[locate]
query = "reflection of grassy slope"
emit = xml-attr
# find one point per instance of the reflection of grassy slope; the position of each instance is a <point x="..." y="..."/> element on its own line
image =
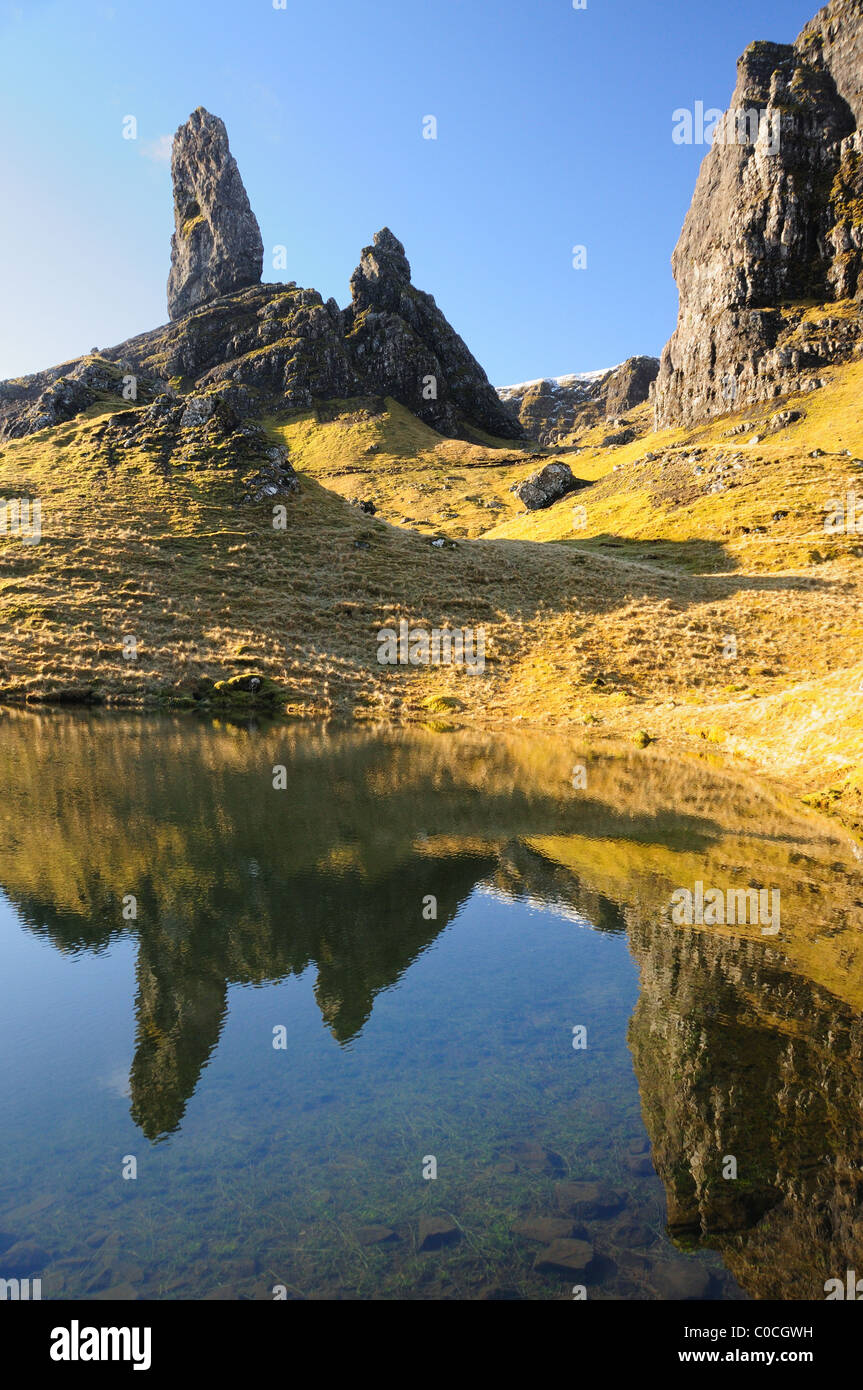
<point x="822" y="917"/>
<point x="620" y="625"/>
<point x="96" y="808"/>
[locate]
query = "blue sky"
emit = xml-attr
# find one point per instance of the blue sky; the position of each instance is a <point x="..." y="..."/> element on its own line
<point x="554" y="130"/>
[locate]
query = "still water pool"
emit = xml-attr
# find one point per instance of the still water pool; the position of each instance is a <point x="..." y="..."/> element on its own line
<point x="420" y="1024"/>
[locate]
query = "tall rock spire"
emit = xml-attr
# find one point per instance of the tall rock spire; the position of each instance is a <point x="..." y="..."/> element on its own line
<point x="216" y="247"/>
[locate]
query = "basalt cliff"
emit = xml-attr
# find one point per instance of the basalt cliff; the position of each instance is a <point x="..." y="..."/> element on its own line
<point x="769" y="261"/>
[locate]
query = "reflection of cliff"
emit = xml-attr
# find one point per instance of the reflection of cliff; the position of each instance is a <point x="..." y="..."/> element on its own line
<point x="362" y="938"/>
<point x="238" y="883"/>
<point x="735" y="1057"/>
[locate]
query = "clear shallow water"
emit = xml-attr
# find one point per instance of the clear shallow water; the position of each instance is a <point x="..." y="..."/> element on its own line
<point x="407" y="1038"/>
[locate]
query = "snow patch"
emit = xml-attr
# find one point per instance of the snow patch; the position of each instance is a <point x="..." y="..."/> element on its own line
<point x="558" y="384"/>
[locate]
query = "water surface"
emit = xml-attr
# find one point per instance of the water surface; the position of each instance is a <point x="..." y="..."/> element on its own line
<point x="168" y="914"/>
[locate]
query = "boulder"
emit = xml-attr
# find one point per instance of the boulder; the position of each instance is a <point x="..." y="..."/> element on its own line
<point x="547" y="1229"/>
<point x="543" y="489"/>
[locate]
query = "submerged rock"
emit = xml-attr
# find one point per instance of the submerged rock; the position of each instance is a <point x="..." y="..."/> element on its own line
<point x="589" y="1200"/>
<point x="436" y="1232"/>
<point x="681" y="1279"/>
<point x="376" y="1235"/>
<point x="565" y="1257"/>
<point x="536" y="1158"/>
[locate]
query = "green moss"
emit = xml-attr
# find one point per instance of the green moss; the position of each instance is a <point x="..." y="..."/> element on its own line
<point x="846" y="193"/>
<point x="248" y="691"/>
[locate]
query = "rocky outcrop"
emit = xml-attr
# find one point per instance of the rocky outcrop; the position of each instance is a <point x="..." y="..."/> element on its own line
<point x="628" y="385"/>
<point x="403" y="346"/>
<point x="775" y="227"/>
<point x="48" y="398"/>
<point x="274" y="346"/>
<point x="216" y="248"/>
<point x="555" y="409"/>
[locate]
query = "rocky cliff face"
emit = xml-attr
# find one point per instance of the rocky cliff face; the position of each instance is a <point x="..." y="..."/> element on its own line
<point x="555" y="408"/>
<point x="775" y="228"/>
<point x="216" y="247"/>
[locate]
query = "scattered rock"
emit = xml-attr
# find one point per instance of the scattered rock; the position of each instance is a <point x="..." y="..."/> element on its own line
<point x="437" y="1231"/>
<point x="376" y="1235"/>
<point x="784" y="418"/>
<point x="592" y="1201"/>
<point x="565" y="1257"/>
<point x="547" y="1229"/>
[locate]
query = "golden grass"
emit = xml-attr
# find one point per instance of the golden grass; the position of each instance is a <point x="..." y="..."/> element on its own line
<point x="619" y="626"/>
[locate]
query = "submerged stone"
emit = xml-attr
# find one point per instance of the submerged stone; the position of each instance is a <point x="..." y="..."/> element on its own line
<point x="437" y="1231"/>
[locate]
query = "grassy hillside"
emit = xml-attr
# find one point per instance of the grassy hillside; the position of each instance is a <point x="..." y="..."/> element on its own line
<point x="618" y="622"/>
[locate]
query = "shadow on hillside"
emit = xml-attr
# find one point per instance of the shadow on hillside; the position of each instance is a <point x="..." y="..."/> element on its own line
<point x="691" y="556"/>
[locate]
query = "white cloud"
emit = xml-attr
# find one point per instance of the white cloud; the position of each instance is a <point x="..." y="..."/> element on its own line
<point x="159" y="150"/>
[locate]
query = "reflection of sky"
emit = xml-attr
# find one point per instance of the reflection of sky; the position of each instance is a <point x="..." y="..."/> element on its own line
<point x="64" y="1020"/>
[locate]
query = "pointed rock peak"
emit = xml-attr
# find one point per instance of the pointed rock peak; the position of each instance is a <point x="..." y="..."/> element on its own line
<point x="383" y="271"/>
<point x="216" y="247"/>
<point x="390" y="248"/>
